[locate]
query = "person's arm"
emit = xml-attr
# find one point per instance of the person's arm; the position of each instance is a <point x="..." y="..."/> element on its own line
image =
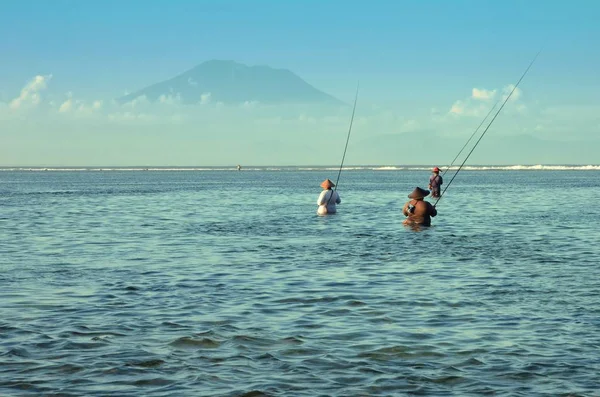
<point x="321" y="200"/>
<point x="338" y="200"/>
<point x="405" y="209"/>
<point x="432" y="211"/>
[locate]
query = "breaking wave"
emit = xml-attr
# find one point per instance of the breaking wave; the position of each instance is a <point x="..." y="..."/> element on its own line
<point x="517" y="167"/>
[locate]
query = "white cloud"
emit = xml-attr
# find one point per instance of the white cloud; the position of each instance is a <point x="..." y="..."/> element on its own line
<point x="483" y="94"/>
<point x="515" y="95"/>
<point x="169" y="109"/>
<point x="30" y="93"/>
<point x="205" y="98"/>
<point x="469" y="108"/>
<point x="129" y="117"/>
<point x="247" y="125"/>
<point x="479" y="103"/>
<point x="458" y="108"/>
<point x="137" y="102"/>
<point x="83" y="109"/>
<point x="66" y="106"/>
<point x="170" y="99"/>
<point x="250" y="104"/>
<point x="78" y="107"/>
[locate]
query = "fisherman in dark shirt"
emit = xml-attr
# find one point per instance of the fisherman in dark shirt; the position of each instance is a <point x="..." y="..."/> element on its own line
<point x="435" y="182"/>
<point x="417" y="210"/>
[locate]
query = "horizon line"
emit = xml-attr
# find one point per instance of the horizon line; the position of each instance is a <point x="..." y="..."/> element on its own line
<point x="234" y="166"/>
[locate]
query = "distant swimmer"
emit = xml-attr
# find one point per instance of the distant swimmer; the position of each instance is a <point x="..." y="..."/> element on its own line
<point x="239" y="167"/>
<point x="417" y="210"/>
<point x="435" y="182"/>
<point x="328" y="199"/>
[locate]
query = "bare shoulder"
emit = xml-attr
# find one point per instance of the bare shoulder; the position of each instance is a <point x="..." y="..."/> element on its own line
<point x="422" y="204"/>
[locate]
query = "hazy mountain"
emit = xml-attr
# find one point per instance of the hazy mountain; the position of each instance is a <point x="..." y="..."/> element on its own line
<point x="235" y="83"/>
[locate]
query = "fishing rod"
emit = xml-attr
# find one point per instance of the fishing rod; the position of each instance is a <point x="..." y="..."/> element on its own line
<point x="347" y="140"/>
<point x="488" y="126"/>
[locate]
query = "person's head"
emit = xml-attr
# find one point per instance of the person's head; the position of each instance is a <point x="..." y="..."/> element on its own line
<point x="435" y="170"/>
<point x="418" y="194"/>
<point x="327" y="184"/>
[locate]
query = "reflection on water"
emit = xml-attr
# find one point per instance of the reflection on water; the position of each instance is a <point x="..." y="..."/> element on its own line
<point x="228" y="284"/>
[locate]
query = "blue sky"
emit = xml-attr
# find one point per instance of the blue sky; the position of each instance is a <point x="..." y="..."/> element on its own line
<point x="414" y="59"/>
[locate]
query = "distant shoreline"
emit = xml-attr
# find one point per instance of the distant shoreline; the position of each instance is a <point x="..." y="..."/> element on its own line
<point x="516" y="167"/>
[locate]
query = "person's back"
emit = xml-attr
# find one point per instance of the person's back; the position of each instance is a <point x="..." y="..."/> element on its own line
<point x="327" y="203"/>
<point x="419" y="212"/>
<point x="328" y="199"/>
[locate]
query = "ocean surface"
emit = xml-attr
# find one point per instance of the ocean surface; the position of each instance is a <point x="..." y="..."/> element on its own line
<point x="213" y="282"/>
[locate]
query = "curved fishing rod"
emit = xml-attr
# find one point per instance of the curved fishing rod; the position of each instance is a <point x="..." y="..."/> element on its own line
<point x="487" y="128"/>
<point x="471" y="137"/>
<point x="347" y="140"/>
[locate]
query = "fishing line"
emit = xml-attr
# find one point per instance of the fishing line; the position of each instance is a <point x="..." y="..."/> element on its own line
<point x="347" y="140"/>
<point x="488" y="126"/>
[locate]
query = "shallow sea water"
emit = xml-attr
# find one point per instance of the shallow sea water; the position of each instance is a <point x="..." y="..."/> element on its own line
<point x="225" y="283"/>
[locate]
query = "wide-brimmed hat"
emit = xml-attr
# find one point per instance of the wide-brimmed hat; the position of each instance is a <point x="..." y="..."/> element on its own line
<point x="436" y="169"/>
<point x="326" y="184"/>
<point x="418" y="193"/>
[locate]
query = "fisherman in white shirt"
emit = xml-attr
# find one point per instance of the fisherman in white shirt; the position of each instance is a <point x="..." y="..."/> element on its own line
<point x="328" y="199"/>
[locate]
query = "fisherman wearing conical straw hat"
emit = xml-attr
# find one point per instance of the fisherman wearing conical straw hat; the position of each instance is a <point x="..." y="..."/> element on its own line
<point x="328" y="199"/>
<point x="417" y="210"/>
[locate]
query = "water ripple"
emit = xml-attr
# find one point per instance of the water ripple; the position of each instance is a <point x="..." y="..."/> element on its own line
<point x="156" y="284"/>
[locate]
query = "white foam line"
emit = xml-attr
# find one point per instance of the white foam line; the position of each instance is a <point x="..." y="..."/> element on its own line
<point x="538" y="167"/>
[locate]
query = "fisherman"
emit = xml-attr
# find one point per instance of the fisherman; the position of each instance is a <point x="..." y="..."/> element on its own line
<point x="435" y="182"/>
<point x="417" y="210"/>
<point x="328" y="199"/>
